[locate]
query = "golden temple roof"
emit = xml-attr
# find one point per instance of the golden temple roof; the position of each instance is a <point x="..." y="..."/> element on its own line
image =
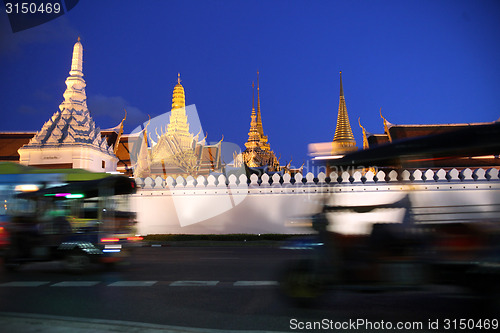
<point x="178" y="97"/>
<point x="258" y="151"/>
<point x="253" y="135"/>
<point x="343" y="132"/>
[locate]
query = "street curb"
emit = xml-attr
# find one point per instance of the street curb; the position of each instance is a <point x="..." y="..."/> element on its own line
<point x="31" y="323"/>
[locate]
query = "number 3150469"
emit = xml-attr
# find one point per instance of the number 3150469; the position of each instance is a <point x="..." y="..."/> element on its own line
<point x="32" y="8"/>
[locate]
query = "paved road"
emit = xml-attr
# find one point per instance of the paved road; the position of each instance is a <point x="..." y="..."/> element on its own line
<point x="229" y="288"/>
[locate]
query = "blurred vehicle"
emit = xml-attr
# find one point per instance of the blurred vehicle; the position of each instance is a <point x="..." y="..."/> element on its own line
<point x="393" y="256"/>
<point x="15" y="178"/>
<point x="4" y="237"/>
<point x="80" y="223"/>
<point x="405" y="254"/>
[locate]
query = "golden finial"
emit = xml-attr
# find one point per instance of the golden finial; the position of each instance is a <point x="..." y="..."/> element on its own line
<point x="253" y="96"/>
<point x="386" y="127"/>
<point x="341" y="86"/>
<point x="120" y="133"/>
<point x="365" y="139"/>
<point x="78" y="38"/>
<point x="179" y="78"/>
<point x="258" y="97"/>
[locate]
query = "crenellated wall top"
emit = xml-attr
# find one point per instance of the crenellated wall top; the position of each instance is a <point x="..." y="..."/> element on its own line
<point x="321" y="179"/>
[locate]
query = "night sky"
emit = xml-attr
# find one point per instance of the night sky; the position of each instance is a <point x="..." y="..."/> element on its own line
<point x="422" y="62"/>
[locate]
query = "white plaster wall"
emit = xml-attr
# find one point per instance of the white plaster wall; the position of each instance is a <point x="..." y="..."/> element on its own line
<point x="225" y="209"/>
<point x="45" y="156"/>
<point x="82" y="157"/>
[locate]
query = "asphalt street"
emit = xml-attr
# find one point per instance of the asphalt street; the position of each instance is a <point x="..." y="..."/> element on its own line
<point x="218" y="288"/>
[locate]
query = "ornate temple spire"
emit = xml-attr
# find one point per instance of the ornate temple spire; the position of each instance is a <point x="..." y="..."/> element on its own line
<point x="341" y="94"/>
<point x="259" y="118"/>
<point x="343" y="137"/>
<point x="142" y="167"/>
<point x="263" y="138"/>
<point x="253" y="97"/>
<point x="177" y="150"/>
<point x="74" y="96"/>
<point x="178" y="97"/>
<point x="258" y="151"/>
<point x="253" y="135"/>
<point x="72" y="125"/>
<point x="77" y="61"/>
<point x="178" y="126"/>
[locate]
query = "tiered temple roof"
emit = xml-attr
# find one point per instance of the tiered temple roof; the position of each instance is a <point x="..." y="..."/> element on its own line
<point x="72" y="124"/>
<point x="343" y="140"/>
<point x="404" y="135"/>
<point x="177" y="152"/>
<point x="258" y="153"/>
<point x="394" y="132"/>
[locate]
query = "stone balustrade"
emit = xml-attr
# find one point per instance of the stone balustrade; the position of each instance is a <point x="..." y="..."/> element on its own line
<point x="340" y="178"/>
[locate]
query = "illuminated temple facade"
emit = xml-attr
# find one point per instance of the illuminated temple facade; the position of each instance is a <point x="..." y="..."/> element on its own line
<point x="258" y="153"/>
<point x="70" y="138"/>
<point x="176" y="151"/>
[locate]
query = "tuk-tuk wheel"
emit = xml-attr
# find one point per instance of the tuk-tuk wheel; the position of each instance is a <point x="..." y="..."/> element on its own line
<point x="77" y="261"/>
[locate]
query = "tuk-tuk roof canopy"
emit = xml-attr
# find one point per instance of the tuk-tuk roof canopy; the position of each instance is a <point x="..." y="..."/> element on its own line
<point x="111" y="185"/>
<point x="69" y="175"/>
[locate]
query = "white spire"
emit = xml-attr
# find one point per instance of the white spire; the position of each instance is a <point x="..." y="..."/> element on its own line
<point x="77" y="61"/>
<point x="72" y="124"/>
<point x="74" y="96"/>
<point x="72" y="128"/>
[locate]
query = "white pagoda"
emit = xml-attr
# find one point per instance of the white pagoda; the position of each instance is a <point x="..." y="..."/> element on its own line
<point x="70" y="138"/>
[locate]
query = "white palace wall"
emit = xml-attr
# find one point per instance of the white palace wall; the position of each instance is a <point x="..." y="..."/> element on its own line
<point x="279" y="205"/>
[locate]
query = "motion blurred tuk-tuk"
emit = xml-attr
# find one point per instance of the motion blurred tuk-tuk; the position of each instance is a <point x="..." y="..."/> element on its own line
<point x="408" y="254"/>
<point x="79" y="223"/>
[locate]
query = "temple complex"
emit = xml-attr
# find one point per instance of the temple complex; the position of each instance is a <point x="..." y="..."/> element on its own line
<point x="258" y="153"/>
<point x="176" y="151"/>
<point x="70" y="138"/>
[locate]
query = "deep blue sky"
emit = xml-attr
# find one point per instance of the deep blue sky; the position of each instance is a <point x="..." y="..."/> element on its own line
<point x="421" y="61"/>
